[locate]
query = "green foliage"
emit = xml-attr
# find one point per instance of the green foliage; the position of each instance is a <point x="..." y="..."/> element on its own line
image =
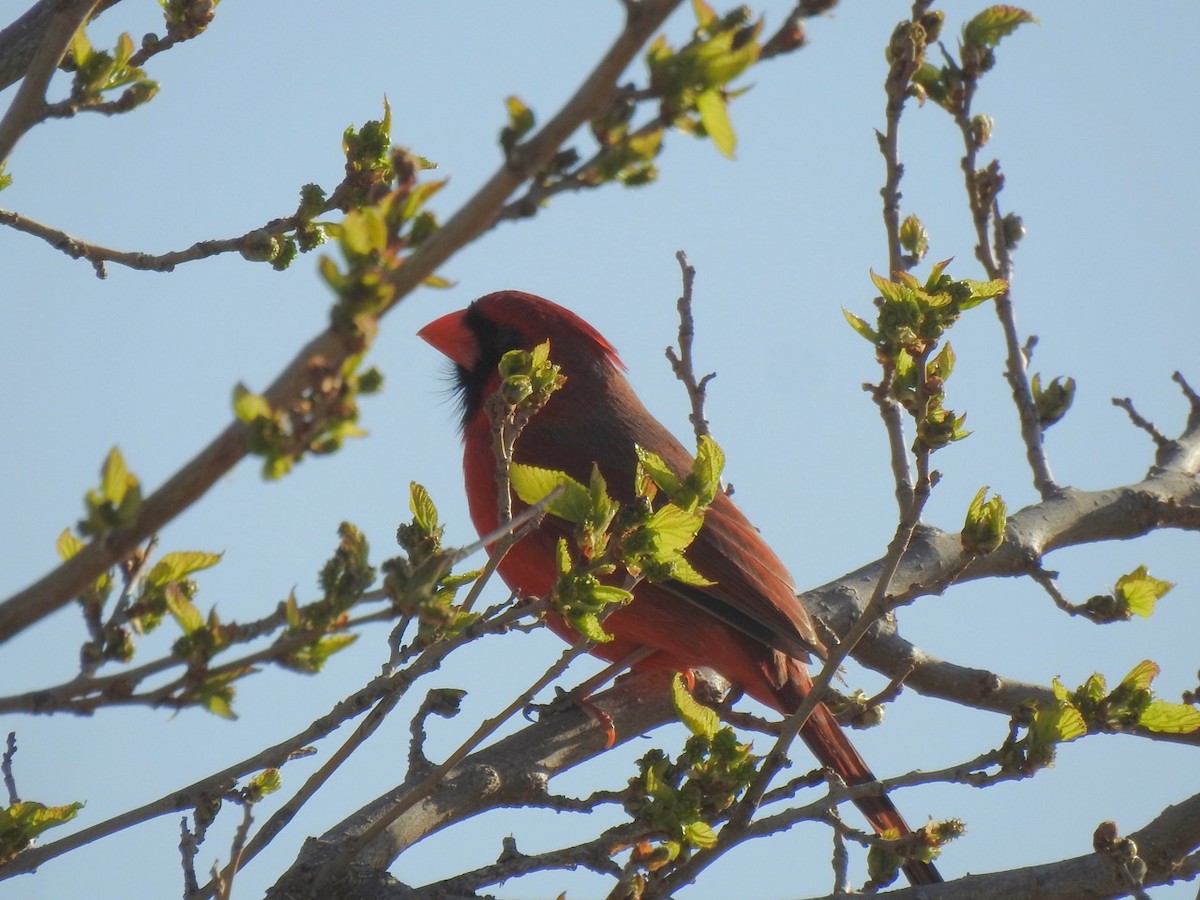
<point x="914" y="239"/>
<point x="21" y="823"/>
<point x="1133" y="594"/>
<point x="925" y="843"/>
<point x="385" y="216"/>
<point x="98" y="72"/>
<point x="700" y="720"/>
<point x="946" y="85"/>
<point x="1053" y="400"/>
<point x="5" y="178"/>
<point x="528" y="379"/>
<point x="983" y="530"/>
<point x="913" y="316"/>
<point x="318" y="422"/>
<point x="639" y="538"/>
<point x="268" y="781"/>
<point x="419" y="582"/>
<point x="681" y="799"/>
<point x="117" y="501"/>
<point x="692" y="81"/>
<point x="520" y="123"/>
<point x="994" y="23"/>
<point x="187" y="18"/>
<point x="1092" y="708"/>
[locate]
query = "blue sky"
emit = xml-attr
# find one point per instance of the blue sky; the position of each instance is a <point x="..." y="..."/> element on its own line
<point x="1095" y="129"/>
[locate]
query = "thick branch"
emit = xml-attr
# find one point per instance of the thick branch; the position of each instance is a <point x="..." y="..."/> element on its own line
<point x="509" y="773"/>
<point x="1165" y="844"/>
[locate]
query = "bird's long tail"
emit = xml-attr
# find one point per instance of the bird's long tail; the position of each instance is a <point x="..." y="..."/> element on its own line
<point x="833" y="750"/>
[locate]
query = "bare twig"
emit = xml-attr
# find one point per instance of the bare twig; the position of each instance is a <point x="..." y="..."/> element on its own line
<point x="6" y="769"/>
<point x="236" y="849"/>
<point x="99" y="255"/>
<point x="893" y="422"/>
<point x="982" y="187"/>
<point x="905" y="59"/>
<point x="189" y="849"/>
<point x="1160" y="440"/>
<point x="681" y="363"/>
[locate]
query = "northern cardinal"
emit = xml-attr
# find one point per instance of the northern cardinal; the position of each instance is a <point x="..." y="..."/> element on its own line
<point x="748" y="626"/>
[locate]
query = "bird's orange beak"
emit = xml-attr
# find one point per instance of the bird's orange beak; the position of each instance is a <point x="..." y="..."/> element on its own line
<point x="451" y="336"/>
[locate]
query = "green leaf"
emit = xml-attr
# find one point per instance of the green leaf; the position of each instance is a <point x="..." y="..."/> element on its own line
<point x="654" y="467"/>
<point x="1170" y="718"/>
<point x="248" y="406"/>
<point x="683" y="572"/>
<point x="533" y="484"/>
<point x="180" y="564"/>
<point x="983" y="530"/>
<point x="888" y="289"/>
<point x="520" y="117"/>
<point x="588" y="625"/>
<point x="714" y="114"/>
<point x="1141" y="591"/>
<point x="860" y="326"/>
<point x="81" y="47"/>
<point x="705" y="15"/>
<point x="115" y="478"/>
<point x="24" y="821"/>
<point x="982" y="290"/>
<point x="68" y="545"/>
<point x="183" y="610"/>
<point x="268" y="781"/>
<point x="698" y="718"/>
<point x="1142" y="675"/>
<point x="419" y="196"/>
<point x="993" y="24"/>
<point x="700" y="834"/>
<point x="707" y="468"/>
<point x="674" y="529"/>
<point x="913" y="237"/>
<point x="425" y="514"/>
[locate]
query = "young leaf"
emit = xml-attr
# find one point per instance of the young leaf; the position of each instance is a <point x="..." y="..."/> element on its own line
<point x="700" y="834"/>
<point x="1141" y="591"/>
<point x="654" y="467"/>
<point x="861" y="326"/>
<point x="1170" y="718"/>
<point x="248" y="406"/>
<point x="994" y="23"/>
<point x="180" y="564"/>
<point x="115" y="478"/>
<point x="715" y="116"/>
<point x="533" y="484"/>
<point x="674" y="529"/>
<point x="425" y="514"/>
<point x="699" y="719"/>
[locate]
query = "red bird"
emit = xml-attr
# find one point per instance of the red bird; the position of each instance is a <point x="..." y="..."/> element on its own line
<point x="748" y="625"/>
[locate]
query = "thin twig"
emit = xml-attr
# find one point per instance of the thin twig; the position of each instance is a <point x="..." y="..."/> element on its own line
<point x="6" y="768"/>
<point x="1160" y="440"/>
<point x="225" y="891"/>
<point x="681" y="363"/>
